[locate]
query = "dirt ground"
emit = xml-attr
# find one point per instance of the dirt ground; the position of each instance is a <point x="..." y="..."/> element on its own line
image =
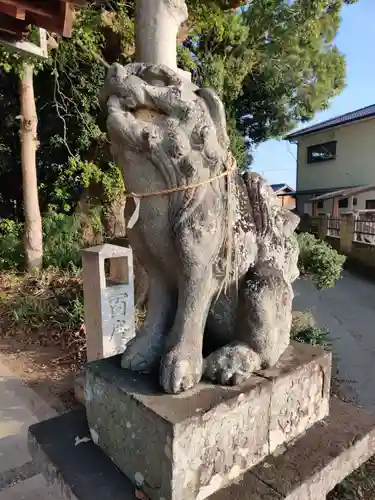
<point x="44" y="368"/>
<point x="42" y="338"/>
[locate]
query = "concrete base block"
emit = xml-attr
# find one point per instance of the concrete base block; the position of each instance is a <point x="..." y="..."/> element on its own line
<point x="308" y="469"/>
<point x="191" y="445"/>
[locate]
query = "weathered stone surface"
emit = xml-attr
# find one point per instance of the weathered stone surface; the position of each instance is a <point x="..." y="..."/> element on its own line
<point x="84" y="472"/>
<point x="108" y="300"/>
<point x="34" y="488"/>
<point x="177" y="446"/>
<point x="194" y="215"/>
<point x="324" y="456"/>
<point x="191" y="445"/>
<point x="300" y="394"/>
<point x="79" y="388"/>
<point x="18" y="410"/>
<point x="308" y="469"/>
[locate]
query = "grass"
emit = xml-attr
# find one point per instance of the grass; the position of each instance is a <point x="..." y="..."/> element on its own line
<point x="63" y="237"/>
<point x="305" y="330"/>
<point x="358" y="486"/>
<point x="49" y="305"/>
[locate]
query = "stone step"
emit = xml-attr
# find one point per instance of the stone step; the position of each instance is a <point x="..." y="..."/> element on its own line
<point x="20" y="407"/>
<point x="33" y="488"/>
<point x="308" y="469"/>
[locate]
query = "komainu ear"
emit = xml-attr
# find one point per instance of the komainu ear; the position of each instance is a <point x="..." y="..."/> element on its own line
<point x="217" y="113"/>
<point x="291" y="222"/>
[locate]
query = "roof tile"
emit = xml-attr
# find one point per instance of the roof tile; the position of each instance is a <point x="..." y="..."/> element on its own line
<point x="359" y="114"/>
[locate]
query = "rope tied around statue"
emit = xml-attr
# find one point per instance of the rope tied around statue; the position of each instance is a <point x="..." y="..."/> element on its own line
<point x="164" y="192"/>
<point x="228" y="239"/>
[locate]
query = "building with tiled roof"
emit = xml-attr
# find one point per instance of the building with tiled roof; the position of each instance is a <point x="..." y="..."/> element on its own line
<point x="334" y="155"/>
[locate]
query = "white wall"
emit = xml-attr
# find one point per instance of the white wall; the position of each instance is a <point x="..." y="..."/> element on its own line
<point x="327" y="204"/>
<point x="355" y="158"/>
<point x="361" y="199"/>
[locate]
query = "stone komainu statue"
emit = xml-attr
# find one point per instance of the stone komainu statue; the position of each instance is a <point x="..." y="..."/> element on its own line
<point x="219" y="251"/>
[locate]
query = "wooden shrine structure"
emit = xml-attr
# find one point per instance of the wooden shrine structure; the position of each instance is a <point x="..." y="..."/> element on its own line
<point x="52" y="16"/>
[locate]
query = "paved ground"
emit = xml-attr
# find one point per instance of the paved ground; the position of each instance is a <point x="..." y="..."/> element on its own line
<point x="348" y="311"/>
<point x="20" y="407"/>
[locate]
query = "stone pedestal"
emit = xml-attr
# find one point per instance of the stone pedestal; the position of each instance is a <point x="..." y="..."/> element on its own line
<point x="191" y="445"/>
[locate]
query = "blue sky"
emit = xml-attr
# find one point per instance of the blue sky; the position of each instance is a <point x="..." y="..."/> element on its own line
<point x="276" y="159"/>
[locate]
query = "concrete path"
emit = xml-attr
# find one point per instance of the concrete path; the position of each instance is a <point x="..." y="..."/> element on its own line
<point x="20" y="407"/>
<point x="348" y="311"/>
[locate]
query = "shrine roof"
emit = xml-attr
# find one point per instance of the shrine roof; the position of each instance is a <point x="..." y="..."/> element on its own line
<point x="55" y="16"/>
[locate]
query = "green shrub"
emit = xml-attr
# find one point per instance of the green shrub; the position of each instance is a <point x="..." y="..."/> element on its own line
<point x="63" y="240"/>
<point x="11" y="246"/>
<point x="313" y="335"/>
<point x="305" y="330"/>
<point x="320" y="260"/>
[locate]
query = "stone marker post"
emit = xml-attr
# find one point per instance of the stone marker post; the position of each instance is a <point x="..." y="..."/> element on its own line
<point x="323" y="226"/>
<point x="108" y="288"/>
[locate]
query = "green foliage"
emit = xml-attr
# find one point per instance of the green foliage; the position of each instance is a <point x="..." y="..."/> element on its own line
<point x="313" y="335"/>
<point x="69" y="127"/>
<point x="305" y="330"/>
<point x="274" y="64"/>
<point x="320" y="260"/>
<point x="33" y="310"/>
<point x="238" y="146"/>
<point x="80" y="175"/>
<point x="11" y="247"/>
<point x="11" y="61"/>
<point x="63" y="240"/>
<point x="74" y="312"/>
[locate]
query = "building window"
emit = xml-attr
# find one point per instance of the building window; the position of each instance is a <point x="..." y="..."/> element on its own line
<point x="321" y="152"/>
<point x="321" y="204"/>
<point x="343" y="203"/>
<point x="370" y="204"/>
<point x="355" y="202"/>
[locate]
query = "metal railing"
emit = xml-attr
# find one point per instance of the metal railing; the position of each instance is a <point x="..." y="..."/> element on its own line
<point x="363" y="226"/>
<point x="364" y="229"/>
<point x="314" y="225"/>
<point x="333" y="227"/>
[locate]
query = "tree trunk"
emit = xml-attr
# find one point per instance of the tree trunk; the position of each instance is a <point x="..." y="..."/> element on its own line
<point x="114" y="218"/>
<point x="156" y="26"/>
<point x="33" y="237"/>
